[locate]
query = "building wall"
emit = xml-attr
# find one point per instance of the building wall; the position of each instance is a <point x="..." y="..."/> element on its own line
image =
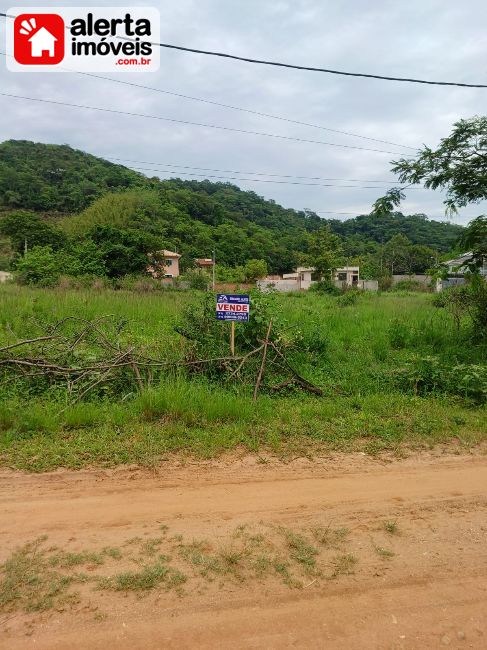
<point x="278" y="285"/>
<point x="172" y="266"/>
<point x="417" y="277"/>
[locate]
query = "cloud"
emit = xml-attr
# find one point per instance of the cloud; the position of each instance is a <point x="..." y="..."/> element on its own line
<point x="405" y="39"/>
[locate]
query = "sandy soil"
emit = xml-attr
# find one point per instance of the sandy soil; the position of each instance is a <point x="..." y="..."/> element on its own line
<point x="429" y="592"/>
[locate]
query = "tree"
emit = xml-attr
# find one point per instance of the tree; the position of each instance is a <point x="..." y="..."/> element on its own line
<point x="27" y="229"/>
<point x="255" y="270"/>
<point x="458" y="165"/>
<point x="124" y="251"/>
<point x="41" y="266"/>
<point x="325" y="252"/>
<point x="474" y="240"/>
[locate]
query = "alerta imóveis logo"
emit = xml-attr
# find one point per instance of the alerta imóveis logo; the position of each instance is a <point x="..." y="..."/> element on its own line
<point x="83" y="38"/>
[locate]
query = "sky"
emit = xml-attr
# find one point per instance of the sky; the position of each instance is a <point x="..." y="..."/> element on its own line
<point x="430" y="39"/>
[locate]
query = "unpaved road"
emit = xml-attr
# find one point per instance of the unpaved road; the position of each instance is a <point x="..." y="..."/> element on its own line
<point x="418" y="581"/>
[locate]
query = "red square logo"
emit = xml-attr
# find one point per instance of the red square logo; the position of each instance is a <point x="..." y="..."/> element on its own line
<point x="39" y="39"/>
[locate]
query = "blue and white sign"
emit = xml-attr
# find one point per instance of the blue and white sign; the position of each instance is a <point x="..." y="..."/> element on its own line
<point x="231" y="306"/>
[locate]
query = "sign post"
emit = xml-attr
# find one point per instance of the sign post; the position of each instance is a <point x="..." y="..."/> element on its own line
<point x="234" y="308"/>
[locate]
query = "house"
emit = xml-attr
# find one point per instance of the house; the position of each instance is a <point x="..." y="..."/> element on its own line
<point x="42" y="41"/>
<point x="164" y="264"/>
<point x="204" y="264"/>
<point x="304" y="277"/>
<point x="347" y="276"/>
<point x="456" y="270"/>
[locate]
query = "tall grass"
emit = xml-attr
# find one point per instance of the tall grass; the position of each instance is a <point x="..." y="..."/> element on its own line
<point x="351" y="350"/>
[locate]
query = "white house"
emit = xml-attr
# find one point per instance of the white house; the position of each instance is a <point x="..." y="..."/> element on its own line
<point x="165" y="264"/>
<point x="457" y="268"/>
<point x="303" y="277"/>
<point x="42" y="41"/>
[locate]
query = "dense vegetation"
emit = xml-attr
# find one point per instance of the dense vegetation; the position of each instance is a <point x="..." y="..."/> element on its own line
<point x="59" y="197"/>
<point x="395" y="370"/>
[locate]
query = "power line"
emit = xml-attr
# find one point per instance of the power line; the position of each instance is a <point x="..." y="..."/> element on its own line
<point x="333" y="212"/>
<point x="235" y="108"/>
<point x="187" y="122"/>
<point x="315" y="69"/>
<point x="233" y="171"/>
<point x="259" y="180"/>
<point x="293" y="66"/>
<point x="245" y="110"/>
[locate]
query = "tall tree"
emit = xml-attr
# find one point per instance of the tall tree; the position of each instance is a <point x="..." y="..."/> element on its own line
<point x="458" y="165"/>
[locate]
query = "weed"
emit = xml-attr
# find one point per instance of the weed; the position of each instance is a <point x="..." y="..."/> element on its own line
<point x="384" y="553"/>
<point x="66" y="560"/>
<point x="149" y="577"/>
<point x="29" y="583"/>
<point x="301" y="550"/>
<point x="330" y="537"/>
<point x="114" y="553"/>
<point x="391" y="527"/>
<point x="151" y="546"/>
<point x="344" y="565"/>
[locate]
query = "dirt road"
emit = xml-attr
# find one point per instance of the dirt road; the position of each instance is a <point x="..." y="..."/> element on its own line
<point x="343" y="552"/>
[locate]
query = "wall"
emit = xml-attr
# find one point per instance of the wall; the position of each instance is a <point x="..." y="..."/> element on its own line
<point x="278" y="285"/>
<point x="417" y="277"/>
<point x="4" y="276"/>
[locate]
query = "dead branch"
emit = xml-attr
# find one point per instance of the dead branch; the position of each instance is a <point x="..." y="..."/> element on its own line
<point x="262" y="365"/>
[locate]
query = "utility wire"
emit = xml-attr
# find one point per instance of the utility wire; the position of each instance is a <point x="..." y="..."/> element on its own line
<point x="313" y="69"/>
<point x="293" y="66"/>
<point x="245" y="110"/>
<point x="187" y="122"/>
<point x="233" y="171"/>
<point x="260" y="180"/>
<point x="230" y="106"/>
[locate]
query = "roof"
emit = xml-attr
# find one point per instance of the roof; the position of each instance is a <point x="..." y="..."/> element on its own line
<point x="204" y="261"/>
<point x="44" y="34"/>
<point x="169" y="253"/>
<point x="460" y="260"/>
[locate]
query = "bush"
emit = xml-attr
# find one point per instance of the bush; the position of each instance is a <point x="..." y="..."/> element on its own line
<point x="348" y="299"/>
<point x="385" y="282"/>
<point x="432" y="375"/>
<point x="326" y="286"/>
<point x="399" y="334"/>
<point x="40" y="266"/>
<point x="409" y="285"/>
<point x="196" y="280"/>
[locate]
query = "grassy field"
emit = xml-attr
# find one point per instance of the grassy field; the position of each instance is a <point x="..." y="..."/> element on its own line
<point x="352" y="349"/>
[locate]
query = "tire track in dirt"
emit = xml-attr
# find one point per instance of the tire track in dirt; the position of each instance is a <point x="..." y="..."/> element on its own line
<point x="424" y="587"/>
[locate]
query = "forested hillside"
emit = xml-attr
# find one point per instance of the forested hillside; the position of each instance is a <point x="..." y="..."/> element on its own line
<point x="82" y="199"/>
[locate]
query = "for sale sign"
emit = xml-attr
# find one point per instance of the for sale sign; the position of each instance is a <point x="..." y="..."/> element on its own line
<point x="233" y="307"/>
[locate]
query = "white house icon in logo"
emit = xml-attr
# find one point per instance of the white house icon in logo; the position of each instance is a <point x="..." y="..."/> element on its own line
<point x="42" y="41"/>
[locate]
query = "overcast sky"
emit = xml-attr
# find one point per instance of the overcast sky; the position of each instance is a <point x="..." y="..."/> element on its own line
<point x="432" y="39"/>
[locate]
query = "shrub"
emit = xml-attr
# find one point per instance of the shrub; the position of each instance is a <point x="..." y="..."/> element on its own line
<point x="326" y="286"/>
<point x="399" y="334"/>
<point x="40" y="266"/>
<point x="196" y="280"/>
<point x="432" y="375"/>
<point x="348" y="299"/>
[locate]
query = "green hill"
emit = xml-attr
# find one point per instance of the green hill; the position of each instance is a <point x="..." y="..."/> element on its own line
<point x="81" y="192"/>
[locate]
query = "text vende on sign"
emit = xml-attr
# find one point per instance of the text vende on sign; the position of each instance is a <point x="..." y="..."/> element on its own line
<point x="233" y="307"/>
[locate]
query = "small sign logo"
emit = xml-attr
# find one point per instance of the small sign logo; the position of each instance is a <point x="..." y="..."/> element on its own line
<point x="39" y="39"/>
<point x="83" y="39"/>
